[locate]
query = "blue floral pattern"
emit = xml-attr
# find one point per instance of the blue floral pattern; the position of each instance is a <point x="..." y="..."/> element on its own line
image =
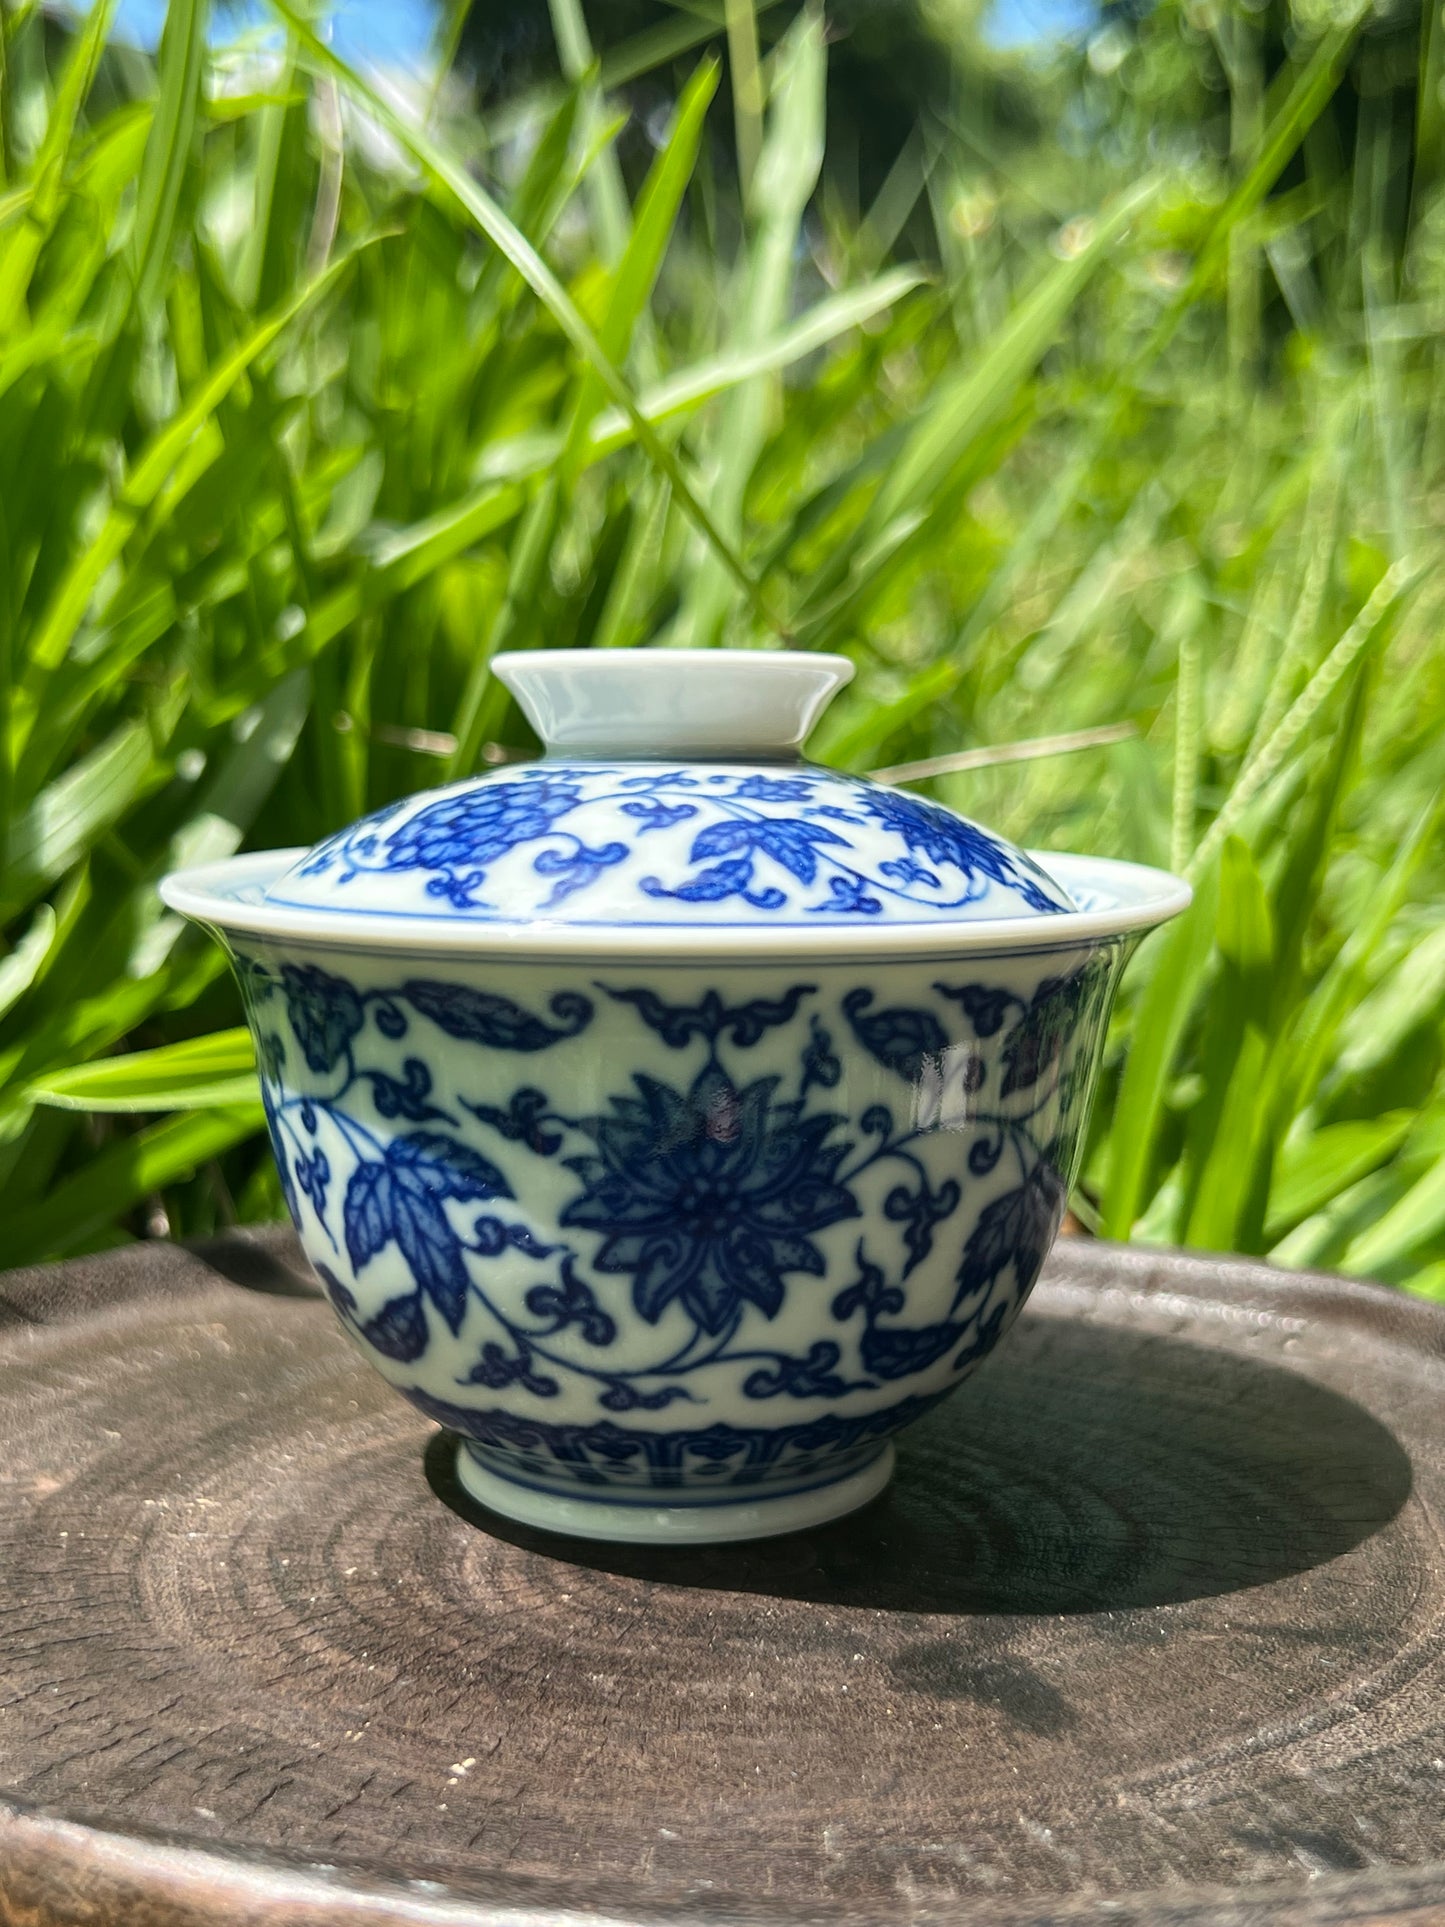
<point x="535" y="1268"/>
<point x="710" y="1196"/>
<point x="616" y="844"/>
<point x="604" y="1455"/>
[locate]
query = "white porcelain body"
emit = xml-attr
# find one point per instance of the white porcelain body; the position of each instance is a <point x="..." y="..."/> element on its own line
<point x="676" y="1249"/>
<point x="675" y="1130"/>
<point x="696" y="704"/>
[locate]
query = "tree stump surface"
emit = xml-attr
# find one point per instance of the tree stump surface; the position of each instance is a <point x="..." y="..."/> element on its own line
<point x="1148" y="1629"/>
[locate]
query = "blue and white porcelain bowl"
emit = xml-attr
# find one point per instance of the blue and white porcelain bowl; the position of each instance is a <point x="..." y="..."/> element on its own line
<point x="672" y="1119"/>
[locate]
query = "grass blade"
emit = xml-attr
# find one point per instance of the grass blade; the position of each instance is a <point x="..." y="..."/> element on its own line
<point x="1318" y="1166"/>
<point x="118" y="1179"/>
<point x="1368" y="630"/>
<point x="1164" y="1010"/>
<point x="1406" y="1226"/>
<point x="201" y="1074"/>
<point x="636" y="273"/>
<point x="453" y="178"/>
<point x="20" y="969"/>
<point x="67" y="816"/>
<point x="167" y="151"/>
<point x="152" y="471"/>
<point x="21" y="244"/>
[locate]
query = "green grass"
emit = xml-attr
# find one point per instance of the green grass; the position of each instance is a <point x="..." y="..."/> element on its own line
<point x="309" y="405"/>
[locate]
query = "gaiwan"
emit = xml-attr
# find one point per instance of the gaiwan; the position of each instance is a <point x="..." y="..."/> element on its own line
<point x="672" y="1119"/>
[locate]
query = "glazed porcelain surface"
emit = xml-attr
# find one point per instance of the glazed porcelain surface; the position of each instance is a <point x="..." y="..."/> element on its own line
<point x="739" y="842"/>
<point x="675" y="1239"/>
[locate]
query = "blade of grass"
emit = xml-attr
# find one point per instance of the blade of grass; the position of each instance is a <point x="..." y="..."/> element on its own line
<point x="1314" y="1168"/>
<point x="1164" y="1010"/>
<point x="1307" y="93"/>
<point x="1343" y="981"/>
<point x="783" y="182"/>
<point x="1183" y="621"/>
<point x="452" y="177"/>
<point x="1369" y="628"/>
<point x="66" y="817"/>
<point x="1222" y="1189"/>
<point x="636" y="273"/>
<point x="612" y="220"/>
<point x="167" y="150"/>
<point x="960" y="413"/>
<point x="1418" y="1216"/>
<point x="849" y="743"/>
<point x="151" y="472"/>
<point x="20" y="246"/>
<point x="1223" y="1130"/>
<point x="747" y="89"/>
<point x="690" y="388"/>
<point x="24" y="963"/>
<point x="118" y="1179"/>
<point x="993" y="755"/>
<point x="200" y="1074"/>
<point x="620" y="619"/>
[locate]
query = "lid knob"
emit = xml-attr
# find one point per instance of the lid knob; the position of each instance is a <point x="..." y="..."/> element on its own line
<point x="739" y="705"/>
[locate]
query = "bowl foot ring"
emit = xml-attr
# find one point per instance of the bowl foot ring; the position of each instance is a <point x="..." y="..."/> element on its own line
<point x="711" y="1521"/>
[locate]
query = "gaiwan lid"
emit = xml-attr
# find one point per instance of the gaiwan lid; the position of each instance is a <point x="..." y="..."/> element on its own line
<point x="671" y="792"/>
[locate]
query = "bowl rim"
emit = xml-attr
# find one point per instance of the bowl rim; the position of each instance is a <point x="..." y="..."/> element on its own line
<point x="226" y="897"/>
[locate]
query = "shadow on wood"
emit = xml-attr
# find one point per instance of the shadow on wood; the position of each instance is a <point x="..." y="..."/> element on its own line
<point x="1084" y="1470"/>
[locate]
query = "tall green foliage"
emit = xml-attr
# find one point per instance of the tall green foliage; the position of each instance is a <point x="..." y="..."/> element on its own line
<point x="311" y="401"/>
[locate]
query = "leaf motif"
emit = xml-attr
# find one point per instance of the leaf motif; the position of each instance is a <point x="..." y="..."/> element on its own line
<point x="850" y="895"/>
<point x="399" y="1329"/>
<point x="711" y="1018"/>
<point x="813" y="1376"/>
<point x="313" y="1175"/>
<point x="984" y="1005"/>
<point x="657" y="815"/>
<point x="709" y="886"/>
<point x="447" y="1168"/>
<point x="342" y="1296"/>
<point x="431" y="1248"/>
<point x="575" y="869"/>
<point x="776" y="789"/>
<point x="1032" y="1050"/>
<point x="496" y="1369"/>
<point x="899" y="1351"/>
<point x="325" y="1013"/>
<point x="1017" y="1228"/>
<point x="868" y="1293"/>
<point x="366" y="1215"/>
<point x="820" y="1066"/>
<point x="401" y="1200"/>
<point x="794" y="844"/>
<point x="484" y="1017"/>
<point x="572" y="1303"/>
<point x="721" y="839"/>
<point x="899" y="1039"/>
<point x="944" y="837"/>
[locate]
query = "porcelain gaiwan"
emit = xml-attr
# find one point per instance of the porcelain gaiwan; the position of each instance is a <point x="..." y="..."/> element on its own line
<point x="673" y="1119"/>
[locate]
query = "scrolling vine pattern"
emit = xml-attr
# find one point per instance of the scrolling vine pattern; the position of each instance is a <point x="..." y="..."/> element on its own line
<point x="702" y="1195"/>
<point x="809" y="843"/>
<point x="701" y="1198"/>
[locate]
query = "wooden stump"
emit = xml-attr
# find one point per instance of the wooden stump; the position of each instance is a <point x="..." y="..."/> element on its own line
<point x="1152" y="1614"/>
